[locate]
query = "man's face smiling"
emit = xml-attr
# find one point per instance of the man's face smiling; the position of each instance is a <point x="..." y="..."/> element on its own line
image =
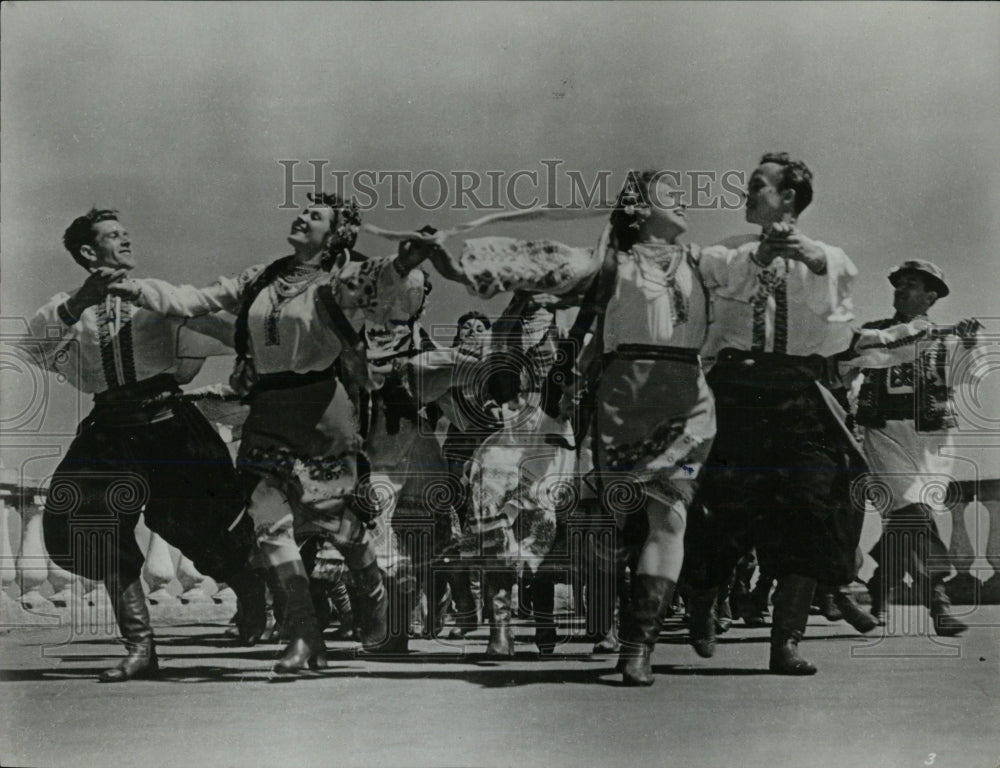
<point x="110" y="247"/>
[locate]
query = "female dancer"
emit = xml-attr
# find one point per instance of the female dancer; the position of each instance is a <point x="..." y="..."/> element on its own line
<point x="654" y="417"/>
<point x="298" y="362"/>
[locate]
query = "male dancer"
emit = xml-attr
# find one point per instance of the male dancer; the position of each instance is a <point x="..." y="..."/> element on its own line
<point x="905" y="411"/>
<point x="779" y="474"/>
<point x="140" y="448"/>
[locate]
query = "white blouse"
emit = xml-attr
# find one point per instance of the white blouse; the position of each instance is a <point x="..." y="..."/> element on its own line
<point x="289" y="328"/>
<point x="658" y="298"/>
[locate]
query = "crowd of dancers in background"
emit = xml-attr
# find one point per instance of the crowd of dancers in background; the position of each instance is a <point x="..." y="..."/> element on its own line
<point x="705" y="405"/>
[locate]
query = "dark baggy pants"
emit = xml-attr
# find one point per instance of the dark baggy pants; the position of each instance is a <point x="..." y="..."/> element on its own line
<point x="176" y="471"/>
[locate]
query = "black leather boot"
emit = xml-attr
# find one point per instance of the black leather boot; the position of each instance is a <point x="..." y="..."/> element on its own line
<point x="137" y="632"/>
<point x="641" y="627"/>
<point x="755" y="611"/>
<point x="543" y="608"/>
<point x="945" y="624"/>
<point x="497" y="588"/>
<point x="826" y="600"/>
<point x="275" y="623"/>
<point x="400" y="597"/>
<point x="341" y="600"/>
<point x="251" y="604"/>
<point x="466" y="609"/>
<point x="792" y="598"/>
<point x="605" y="585"/>
<point x="701" y="629"/>
<point x="723" y="615"/>
<point x="306" y="648"/>
<point x="371" y="609"/>
<point x="851" y="612"/>
<point x="878" y="593"/>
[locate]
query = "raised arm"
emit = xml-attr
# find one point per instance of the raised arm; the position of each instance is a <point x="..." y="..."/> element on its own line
<point x="413" y="252"/>
<point x="186" y="300"/>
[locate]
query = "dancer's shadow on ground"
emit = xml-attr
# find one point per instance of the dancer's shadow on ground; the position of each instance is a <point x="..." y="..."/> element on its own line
<point x="474" y="669"/>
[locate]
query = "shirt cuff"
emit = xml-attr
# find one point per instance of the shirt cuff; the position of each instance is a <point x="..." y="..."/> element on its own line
<point x="65" y="315"/>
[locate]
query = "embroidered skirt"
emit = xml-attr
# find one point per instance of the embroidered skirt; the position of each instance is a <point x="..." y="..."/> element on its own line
<point x="301" y="435"/>
<point x="654" y="426"/>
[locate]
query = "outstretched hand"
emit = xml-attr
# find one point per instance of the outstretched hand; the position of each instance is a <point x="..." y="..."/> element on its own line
<point x="969" y="329"/>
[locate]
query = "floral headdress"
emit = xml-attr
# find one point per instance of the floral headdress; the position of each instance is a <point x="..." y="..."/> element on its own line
<point x="347" y="219"/>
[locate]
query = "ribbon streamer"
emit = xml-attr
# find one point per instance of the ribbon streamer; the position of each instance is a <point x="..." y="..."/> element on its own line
<point x="532" y="214"/>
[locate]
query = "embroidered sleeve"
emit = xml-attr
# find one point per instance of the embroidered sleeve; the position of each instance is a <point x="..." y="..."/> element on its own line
<point x="50" y="332"/>
<point x="376" y="290"/>
<point x="886" y="347"/>
<point x="188" y="301"/>
<point x="495" y="265"/>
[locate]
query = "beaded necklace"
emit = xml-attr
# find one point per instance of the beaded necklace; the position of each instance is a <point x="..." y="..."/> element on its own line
<point x="285" y="286"/>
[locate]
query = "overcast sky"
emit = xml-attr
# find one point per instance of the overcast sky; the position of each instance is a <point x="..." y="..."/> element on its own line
<point x="177" y="114"/>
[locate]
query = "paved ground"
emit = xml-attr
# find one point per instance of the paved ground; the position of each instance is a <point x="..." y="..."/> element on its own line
<point x="904" y="700"/>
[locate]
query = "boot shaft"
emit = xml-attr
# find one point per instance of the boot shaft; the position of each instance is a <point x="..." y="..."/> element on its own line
<point x="131" y="612"/>
<point x="792" y="598"/>
<point x="643" y="618"/>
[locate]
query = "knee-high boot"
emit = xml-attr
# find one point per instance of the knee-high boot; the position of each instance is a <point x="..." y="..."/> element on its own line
<point x="371" y="608"/>
<point x="851" y="612"/>
<point x="878" y="592"/>
<point x="133" y="621"/>
<point x="400" y="598"/>
<point x="466" y="610"/>
<point x="251" y="604"/>
<point x="723" y="610"/>
<point x="641" y="626"/>
<point x="543" y="606"/>
<point x="496" y="592"/>
<point x="605" y="584"/>
<point x="792" y="598"/>
<point x="306" y="647"/>
<point x="701" y="629"/>
<point x="345" y="611"/>
<point x="945" y="623"/>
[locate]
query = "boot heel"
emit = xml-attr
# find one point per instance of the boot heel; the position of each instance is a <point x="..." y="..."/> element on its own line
<point x="637" y="670"/>
<point x="702" y="626"/>
<point x="133" y="622"/>
<point x="792" y="598"/>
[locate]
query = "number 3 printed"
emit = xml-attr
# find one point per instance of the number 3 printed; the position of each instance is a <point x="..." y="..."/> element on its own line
<point x="930" y="758"/>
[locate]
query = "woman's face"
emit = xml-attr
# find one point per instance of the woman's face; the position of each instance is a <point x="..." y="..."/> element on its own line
<point x="668" y="214"/>
<point x="311" y="228"/>
<point x="472" y="333"/>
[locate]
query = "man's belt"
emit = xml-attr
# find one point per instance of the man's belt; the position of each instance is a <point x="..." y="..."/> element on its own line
<point x="654" y="352"/>
<point x="143" y="402"/>
<point x="290" y="380"/>
<point x="770" y="369"/>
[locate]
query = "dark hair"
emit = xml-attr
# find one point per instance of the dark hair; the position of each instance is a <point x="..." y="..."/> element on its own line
<point x="81" y="232"/>
<point x="471" y="315"/>
<point x="795" y="175"/>
<point x="625" y="222"/>
<point x="344" y="225"/>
